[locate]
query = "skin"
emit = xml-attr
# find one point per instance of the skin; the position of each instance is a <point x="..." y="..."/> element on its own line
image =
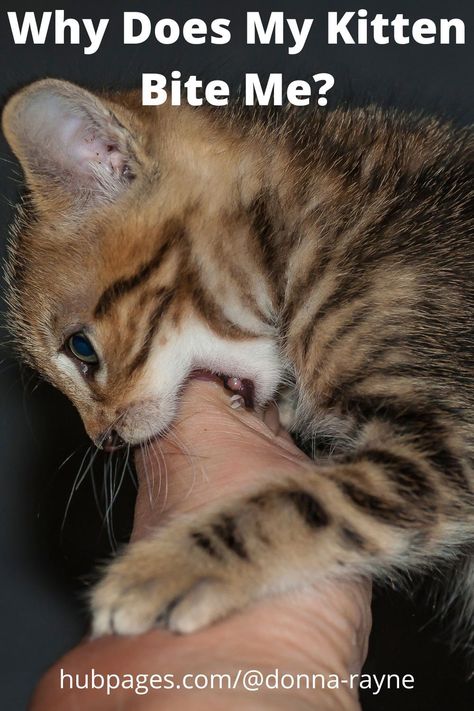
<point x="320" y="630"/>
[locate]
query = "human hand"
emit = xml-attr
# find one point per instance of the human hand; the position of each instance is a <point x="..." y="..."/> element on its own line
<point x="212" y="453"/>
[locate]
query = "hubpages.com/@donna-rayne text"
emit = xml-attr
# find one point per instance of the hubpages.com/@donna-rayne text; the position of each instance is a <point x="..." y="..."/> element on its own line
<point x="251" y="680"/>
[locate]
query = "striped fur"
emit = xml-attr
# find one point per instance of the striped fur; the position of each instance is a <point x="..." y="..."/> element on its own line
<point x="333" y="248"/>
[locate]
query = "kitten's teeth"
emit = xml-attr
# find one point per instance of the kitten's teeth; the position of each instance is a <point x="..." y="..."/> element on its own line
<point x="237" y="401"/>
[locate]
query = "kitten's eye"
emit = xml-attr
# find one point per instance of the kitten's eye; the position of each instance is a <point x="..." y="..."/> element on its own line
<point x="82" y="349"/>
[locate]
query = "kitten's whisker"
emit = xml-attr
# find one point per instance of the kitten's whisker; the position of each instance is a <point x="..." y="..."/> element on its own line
<point x="73" y="490"/>
<point x="132" y="474"/>
<point x="89" y="467"/>
<point x="65" y="461"/>
<point x="106" y="488"/>
<point x="144" y="450"/>
<point x="114" y="461"/>
<point x="105" y="494"/>
<point x="159" y="459"/>
<point x="190" y="458"/>
<point x="95" y="492"/>
<point x="151" y="450"/>
<point x="118" y="486"/>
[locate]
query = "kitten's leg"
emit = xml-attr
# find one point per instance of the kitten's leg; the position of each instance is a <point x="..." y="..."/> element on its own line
<point x="393" y="504"/>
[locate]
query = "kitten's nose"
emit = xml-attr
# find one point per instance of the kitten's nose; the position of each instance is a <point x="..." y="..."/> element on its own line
<point x="111" y="442"/>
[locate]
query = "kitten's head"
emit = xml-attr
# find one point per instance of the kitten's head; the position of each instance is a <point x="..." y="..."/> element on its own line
<point x="132" y="260"/>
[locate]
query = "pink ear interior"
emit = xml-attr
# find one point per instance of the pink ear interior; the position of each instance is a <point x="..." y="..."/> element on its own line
<point x="69" y="136"/>
<point x="83" y="148"/>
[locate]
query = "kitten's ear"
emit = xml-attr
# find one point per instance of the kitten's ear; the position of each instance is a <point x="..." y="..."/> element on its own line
<point x="68" y="140"/>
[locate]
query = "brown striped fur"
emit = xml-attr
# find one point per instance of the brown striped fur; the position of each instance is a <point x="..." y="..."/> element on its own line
<point x="334" y="248"/>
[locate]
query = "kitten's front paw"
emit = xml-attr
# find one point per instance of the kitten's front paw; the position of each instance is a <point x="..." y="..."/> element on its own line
<point x="171" y="581"/>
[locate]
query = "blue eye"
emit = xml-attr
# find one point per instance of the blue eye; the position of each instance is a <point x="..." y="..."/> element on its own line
<point x="82" y="349"/>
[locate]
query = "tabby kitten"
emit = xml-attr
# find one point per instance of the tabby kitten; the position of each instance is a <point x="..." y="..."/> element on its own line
<point x="332" y="246"/>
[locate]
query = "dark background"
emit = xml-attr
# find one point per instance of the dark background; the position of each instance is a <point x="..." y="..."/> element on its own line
<point x="45" y="563"/>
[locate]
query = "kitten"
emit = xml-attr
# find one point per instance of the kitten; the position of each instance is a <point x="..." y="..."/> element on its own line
<point x="333" y="246"/>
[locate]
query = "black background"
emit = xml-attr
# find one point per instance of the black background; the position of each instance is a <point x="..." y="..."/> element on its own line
<point x="44" y="562"/>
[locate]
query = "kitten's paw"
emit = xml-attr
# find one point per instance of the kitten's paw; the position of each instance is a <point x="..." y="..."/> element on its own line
<point x="180" y="586"/>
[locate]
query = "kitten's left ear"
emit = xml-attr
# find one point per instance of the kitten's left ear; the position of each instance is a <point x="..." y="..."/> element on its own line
<point x="69" y="141"/>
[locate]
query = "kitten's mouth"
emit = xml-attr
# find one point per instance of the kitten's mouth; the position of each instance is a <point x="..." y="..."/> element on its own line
<point x="240" y="386"/>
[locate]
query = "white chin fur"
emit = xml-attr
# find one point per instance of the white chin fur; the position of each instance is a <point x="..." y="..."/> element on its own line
<point x="195" y="345"/>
